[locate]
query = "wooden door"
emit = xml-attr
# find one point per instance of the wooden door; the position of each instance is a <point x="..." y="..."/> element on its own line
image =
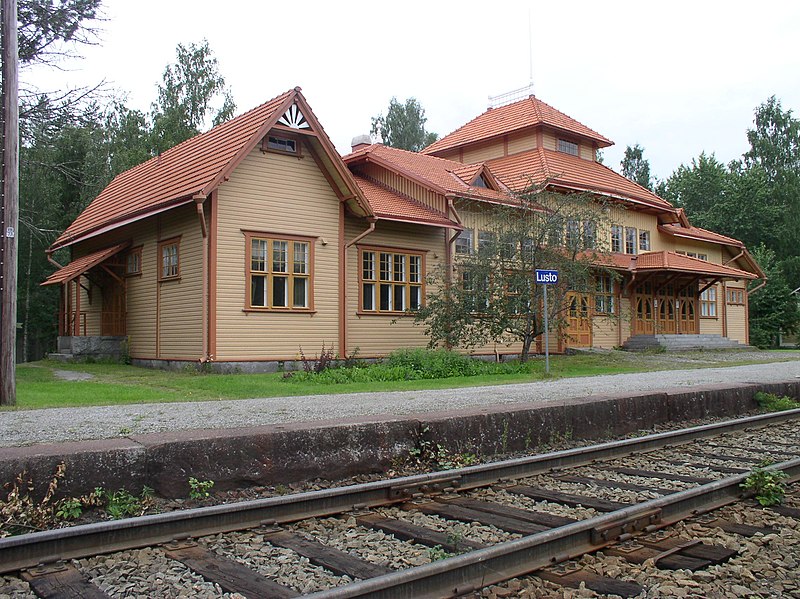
<point x="687" y="310"/>
<point x="113" y="314"/>
<point x="579" y="319"/>
<point x="665" y="308"/>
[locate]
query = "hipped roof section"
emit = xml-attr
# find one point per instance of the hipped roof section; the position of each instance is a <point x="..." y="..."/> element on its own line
<point x="196" y="167"/>
<point x="524" y="114"/>
<point x="667" y="261"/>
<point x="540" y="166"/>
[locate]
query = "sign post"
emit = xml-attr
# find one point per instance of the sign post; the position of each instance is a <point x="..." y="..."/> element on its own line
<point x="546" y="277"/>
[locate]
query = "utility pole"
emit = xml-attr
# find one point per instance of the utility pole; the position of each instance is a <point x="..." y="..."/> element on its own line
<point x="9" y="214"/>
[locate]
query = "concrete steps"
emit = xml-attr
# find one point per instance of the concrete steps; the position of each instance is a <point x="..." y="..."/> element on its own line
<point x="680" y="342"/>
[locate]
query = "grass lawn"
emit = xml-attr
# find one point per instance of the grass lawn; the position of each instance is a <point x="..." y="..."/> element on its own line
<point x="113" y="384"/>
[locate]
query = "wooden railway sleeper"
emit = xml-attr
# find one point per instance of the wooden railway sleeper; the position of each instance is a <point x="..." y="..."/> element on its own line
<point x="676" y="549"/>
<point x="625" y="528"/>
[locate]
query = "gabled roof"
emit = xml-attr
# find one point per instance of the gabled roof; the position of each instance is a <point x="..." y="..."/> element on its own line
<point x="437" y="174"/>
<point x="390" y="205"/>
<point x="77" y="267"/>
<point x="195" y="168"/>
<point x="523" y="114"/>
<point x="690" y="232"/>
<point x="538" y="166"/>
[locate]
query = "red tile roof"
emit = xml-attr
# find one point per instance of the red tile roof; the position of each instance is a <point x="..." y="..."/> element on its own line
<point x="389" y="205"/>
<point x="672" y="261"/>
<point x="526" y="113"/>
<point x="697" y="233"/>
<point x="77" y="267"/>
<point x="441" y="175"/>
<point x="196" y="166"/>
<point x="538" y="166"/>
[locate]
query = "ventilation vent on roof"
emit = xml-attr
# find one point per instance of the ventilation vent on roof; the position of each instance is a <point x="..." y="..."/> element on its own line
<point x="511" y="97"/>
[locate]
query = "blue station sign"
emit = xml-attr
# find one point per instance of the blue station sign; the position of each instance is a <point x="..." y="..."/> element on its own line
<point x="547" y="277"/>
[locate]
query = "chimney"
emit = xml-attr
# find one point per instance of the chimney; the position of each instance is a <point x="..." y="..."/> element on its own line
<point x="360" y="142"/>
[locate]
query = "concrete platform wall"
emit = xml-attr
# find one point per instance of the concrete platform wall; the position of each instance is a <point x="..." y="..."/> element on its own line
<point x="282" y="454"/>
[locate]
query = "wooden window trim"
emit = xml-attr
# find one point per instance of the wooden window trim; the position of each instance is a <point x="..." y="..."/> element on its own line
<point x="621" y="238"/>
<point x="408" y="284"/>
<point x="634" y="245"/>
<point x="298" y="144"/>
<point x="568" y="141"/>
<point x="134" y="250"/>
<point x="732" y="293"/>
<point x="709" y="302"/>
<point x="648" y="237"/>
<point x="610" y="295"/>
<point x="176" y="241"/>
<point x="270" y="237"/>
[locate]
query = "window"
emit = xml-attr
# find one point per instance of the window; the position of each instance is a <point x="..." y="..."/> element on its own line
<point x="281" y="144"/>
<point x="708" y="303"/>
<point x="589" y="234"/>
<point x="616" y="238"/>
<point x="464" y="242"/>
<point x="604" y="295"/>
<point x="486" y="240"/>
<point x="480" y="182"/>
<point x="573" y="233"/>
<point x="568" y="147"/>
<point x="391" y="281"/>
<point x="693" y="255"/>
<point x="644" y="241"/>
<point x="630" y="240"/>
<point x="169" y="251"/>
<point x="475" y="297"/>
<point x="279" y="273"/>
<point x="133" y="262"/>
<point x="736" y="297"/>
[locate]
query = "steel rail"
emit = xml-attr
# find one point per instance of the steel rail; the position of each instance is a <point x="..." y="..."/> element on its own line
<point x="29" y="550"/>
<point x="472" y="571"/>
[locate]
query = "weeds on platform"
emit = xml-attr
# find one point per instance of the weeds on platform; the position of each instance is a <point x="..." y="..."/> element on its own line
<point x="20" y="513"/>
<point x="772" y="403"/>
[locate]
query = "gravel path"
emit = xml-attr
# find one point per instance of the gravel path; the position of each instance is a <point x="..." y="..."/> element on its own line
<point x="55" y="425"/>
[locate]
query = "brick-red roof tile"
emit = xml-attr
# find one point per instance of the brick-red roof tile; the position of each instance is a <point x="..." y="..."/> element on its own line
<point x="523" y="114"/>
<point x="538" y="166"/>
<point x="175" y="175"/>
<point x="690" y="232"/>
<point x="390" y="205"/>
<point x="672" y="261"/>
<point x="81" y="265"/>
<point x="444" y="176"/>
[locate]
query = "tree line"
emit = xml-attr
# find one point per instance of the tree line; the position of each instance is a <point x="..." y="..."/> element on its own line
<point x="73" y="142"/>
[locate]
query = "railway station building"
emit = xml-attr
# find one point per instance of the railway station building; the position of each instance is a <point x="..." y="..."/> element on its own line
<point x="243" y="244"/>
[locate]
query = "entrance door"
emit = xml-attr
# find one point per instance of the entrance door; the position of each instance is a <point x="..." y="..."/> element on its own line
<point x="579" y="320"/>
<point x="643" y="313"/>
<point x="687" y="311"/>
<point x="113" y="314"/>
<point x="665" y="308"/>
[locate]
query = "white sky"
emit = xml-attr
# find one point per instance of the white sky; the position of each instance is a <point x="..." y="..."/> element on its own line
<point x="677" y="77"/>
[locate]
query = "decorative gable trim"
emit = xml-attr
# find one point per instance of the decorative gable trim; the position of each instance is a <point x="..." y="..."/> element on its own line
<point x="294" y="119"/>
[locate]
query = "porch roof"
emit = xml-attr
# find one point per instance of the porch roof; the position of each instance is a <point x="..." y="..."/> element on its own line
<point x="77" y="267"/>
<point x="390" y="205"/>
<point x="672" y="262"/>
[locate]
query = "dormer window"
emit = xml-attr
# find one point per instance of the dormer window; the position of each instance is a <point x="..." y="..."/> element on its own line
<point x="568" y="147"/>
<point x="281" y="144"/>
<point x="480" y="182"/>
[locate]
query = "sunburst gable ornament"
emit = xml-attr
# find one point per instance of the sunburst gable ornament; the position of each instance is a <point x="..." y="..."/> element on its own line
<point x="294" y="118"/>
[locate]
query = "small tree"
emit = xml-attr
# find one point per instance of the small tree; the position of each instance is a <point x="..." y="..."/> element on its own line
<point x="636" y="167"/>
<point x="403" y="126"/>
<point x="490" y="295"/>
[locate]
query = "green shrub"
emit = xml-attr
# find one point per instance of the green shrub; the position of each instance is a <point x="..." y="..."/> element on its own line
<point x="411" y="365"/>
<point x="766" y="485"/>
<point x="772" y="403"/>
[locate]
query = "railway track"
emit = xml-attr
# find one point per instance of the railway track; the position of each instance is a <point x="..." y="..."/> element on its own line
<point x="441" y="534"/>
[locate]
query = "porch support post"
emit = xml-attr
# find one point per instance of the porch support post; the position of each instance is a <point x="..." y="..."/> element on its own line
<point x="77" y="326"/>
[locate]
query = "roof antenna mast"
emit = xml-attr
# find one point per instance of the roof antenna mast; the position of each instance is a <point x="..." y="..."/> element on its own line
<point x="523" y="92"/>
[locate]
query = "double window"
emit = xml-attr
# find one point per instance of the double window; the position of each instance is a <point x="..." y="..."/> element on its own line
<point x="693" y="255"/>
<point x="736" y="297"/>
<point x="279" y="272"/>
<point x="604" y="295"/>
<point x="708" y="303"/>
<point x="391" y="281"/>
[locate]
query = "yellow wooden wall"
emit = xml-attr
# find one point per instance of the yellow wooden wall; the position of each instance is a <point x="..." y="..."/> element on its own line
<point x="279" y="194"/>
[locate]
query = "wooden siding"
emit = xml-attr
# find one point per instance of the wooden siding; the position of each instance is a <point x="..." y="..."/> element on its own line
<point x="406" y="187"/>
<point x="494" y="149"/>
<point x="180" y="301"/>
<point x="277" y="194"/>
<point x="586" y="152"/>
<point x="521" y="142"/>
<point x="376" y="334"/>
<point x="549" y="141"/>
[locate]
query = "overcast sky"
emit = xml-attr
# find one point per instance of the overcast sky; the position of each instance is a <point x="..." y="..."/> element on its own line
<point x="677" y="77"/>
